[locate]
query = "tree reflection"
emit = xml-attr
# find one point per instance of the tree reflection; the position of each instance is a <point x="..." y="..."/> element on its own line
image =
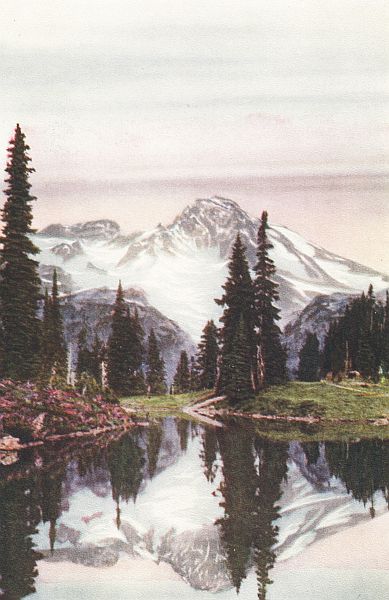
<point x="154" y="441"/>
<point x="362" y="466"/>
<point x="272" y="470"/>
<point x="208" y="453"/>
<point x="18" y="520"/>
<point x="125" y="463"/>
<point x="253" y="470"/>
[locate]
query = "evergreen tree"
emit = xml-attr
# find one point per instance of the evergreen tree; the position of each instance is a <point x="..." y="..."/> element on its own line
<point x="155" y="373"/>
<point x="96" y="359"/>
<point x="309" y="359"/>
<point x="182" y="376"/>
<point x="60" y="361"/>
<point x="208" y="352"/>
<point x="358" y="339"/>
<point x="194" y="374"/>
<point x="20" y="283"/>
<point x="84" y="355"/>
<point x="136" y="352"/>
<point x="53" y="346"/>
<point x="385" y="339"/>
<point x="239" y="387"/>
<point x="271" y="354"/>
<point x="238" y="303"/>
<point x="46" y="355"/>
<point x="119" y="358"/>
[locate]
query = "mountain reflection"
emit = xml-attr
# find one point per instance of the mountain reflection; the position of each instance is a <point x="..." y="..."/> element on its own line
<point x="247" y="473"/>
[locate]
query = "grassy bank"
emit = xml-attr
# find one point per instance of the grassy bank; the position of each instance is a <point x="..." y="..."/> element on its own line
<point x="161" y="405"/>
<point x="325" y="400"/>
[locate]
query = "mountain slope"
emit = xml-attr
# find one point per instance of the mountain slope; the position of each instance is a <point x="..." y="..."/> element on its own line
<point x="94" y="307"/>
<point x="182" y="266"/>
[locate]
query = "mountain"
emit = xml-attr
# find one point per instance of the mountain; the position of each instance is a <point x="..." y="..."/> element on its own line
<point x="182" y="266"/>
<point x="104" y="229"/>
<point x="94" y="307"/>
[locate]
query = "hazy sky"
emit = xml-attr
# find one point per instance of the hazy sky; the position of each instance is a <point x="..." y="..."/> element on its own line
<point x="134" y="108"/>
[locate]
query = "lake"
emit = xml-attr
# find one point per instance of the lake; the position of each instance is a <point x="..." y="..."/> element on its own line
<point x="182" y="511"/>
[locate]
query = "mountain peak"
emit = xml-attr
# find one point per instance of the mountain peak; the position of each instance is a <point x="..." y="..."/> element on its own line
<point x="220" y="202"/>
<point x="103" y="229"/>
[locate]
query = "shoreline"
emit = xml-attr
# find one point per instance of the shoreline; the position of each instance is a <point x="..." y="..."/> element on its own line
<point x="66" y="436"/>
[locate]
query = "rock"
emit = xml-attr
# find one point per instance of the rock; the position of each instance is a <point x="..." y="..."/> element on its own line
<point x="88" y="555"/>
<point x="8" y="458"/>
<point x="37" y="424"/>
<point x="67" y="534"/>
<point x="10" y="443"/>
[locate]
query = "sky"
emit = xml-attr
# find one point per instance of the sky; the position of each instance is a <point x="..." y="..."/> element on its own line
<point x="134" y="108"/>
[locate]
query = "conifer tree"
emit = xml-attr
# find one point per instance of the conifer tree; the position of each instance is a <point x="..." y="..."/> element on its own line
<point x="136" y="353"/>
<point x="53" y="346"/>
<point x="96" y="359"/>
<point x="238" y="303"/>
<point x="182" y="376"/>
<point x="271" y="354"/>
<point x="60" y="362"/>
<point x="238" y="388"/>
<point x="385" y="338"/>
<point x="46" y="356"/>
<point x="118" y="354"/>
<point x="20" y="283"/>
<point x="84" y="358"/>
<point x="208" y="352"/>
<point x="155" y="373"/>
<point x="309" y="359"/>
<point x="194" y="374"/>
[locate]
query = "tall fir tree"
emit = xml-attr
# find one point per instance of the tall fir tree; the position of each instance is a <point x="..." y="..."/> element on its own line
<point x="309" y="356"/>
<point x="207" y="357"/>
<point x="136" y="351"/>
<point x="182" y="376"/>
<point x="118" y="353"/>
<point x="194" y="374"/>
<point x="238" y="303"/>
<point x="238" y="388"/>
<point x="84" y="356"/>
<point x="20" y="283"/>
<point x="53" y="346"/>
<point x="46" y="365"/>
<point x="271" y="354"/>
<point x="385" y="338"/>
<point x="96" y="359"/>
<point x="60" y="361"/>
<point x="155" y="372"/>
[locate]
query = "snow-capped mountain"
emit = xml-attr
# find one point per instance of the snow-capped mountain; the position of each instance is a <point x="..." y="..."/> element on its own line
<point x="182" y="266"/>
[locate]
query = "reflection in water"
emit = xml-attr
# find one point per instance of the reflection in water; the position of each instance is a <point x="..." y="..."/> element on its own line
<point x="253" y="470"/>
<point x="125" y="464"/>
<point x="272" y="471"/>
<point x="209" y="453"/>
<point x="247" y="474"/>
<point x="363" y="467"/>
<point x="19" y="516"/>
<point x="154" y="441"/>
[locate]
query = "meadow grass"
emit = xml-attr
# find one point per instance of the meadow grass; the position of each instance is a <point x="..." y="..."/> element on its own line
<point x="329" y="401"/>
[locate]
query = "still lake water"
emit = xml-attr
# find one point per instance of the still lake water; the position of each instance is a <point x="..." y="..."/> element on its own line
<point x="179" y="511"/>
